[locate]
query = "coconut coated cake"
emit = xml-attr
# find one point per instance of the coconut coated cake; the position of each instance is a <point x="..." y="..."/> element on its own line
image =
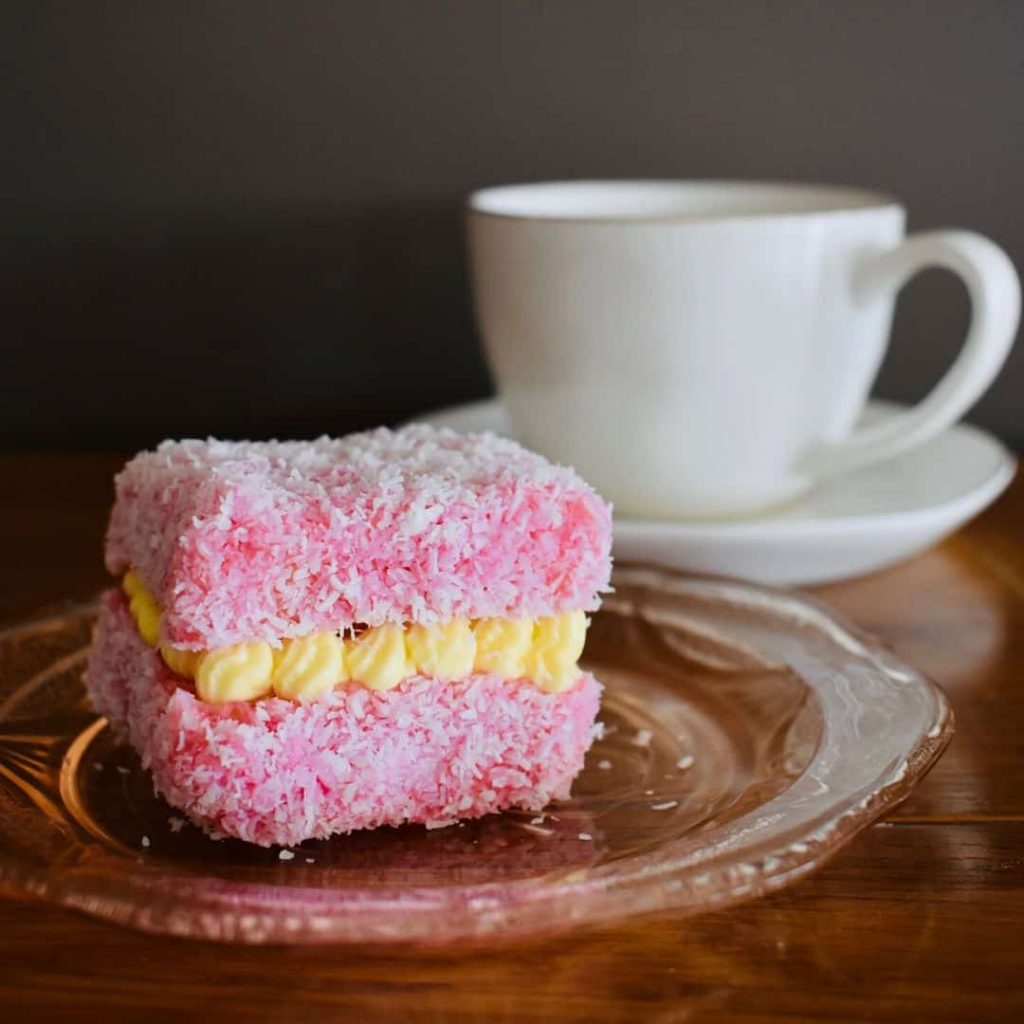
<point x="316" y="637"/>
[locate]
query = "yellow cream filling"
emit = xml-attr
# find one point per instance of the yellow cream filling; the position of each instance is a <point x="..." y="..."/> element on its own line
<point x="543" y="650"/>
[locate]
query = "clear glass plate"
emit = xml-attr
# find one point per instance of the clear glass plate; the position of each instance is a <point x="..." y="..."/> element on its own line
<point x="748" y="736"/>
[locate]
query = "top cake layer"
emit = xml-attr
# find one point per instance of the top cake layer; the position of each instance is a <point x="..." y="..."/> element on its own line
<point x="242" y="540"/>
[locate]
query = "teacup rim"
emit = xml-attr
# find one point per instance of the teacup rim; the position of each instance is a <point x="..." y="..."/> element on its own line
<point x="845" y="199"/>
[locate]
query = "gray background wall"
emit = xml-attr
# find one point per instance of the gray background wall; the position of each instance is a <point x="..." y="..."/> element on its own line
<point x="243" y="218"/>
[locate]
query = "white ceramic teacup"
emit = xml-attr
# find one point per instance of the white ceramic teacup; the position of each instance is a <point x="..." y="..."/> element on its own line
<point x="704" y="349"/>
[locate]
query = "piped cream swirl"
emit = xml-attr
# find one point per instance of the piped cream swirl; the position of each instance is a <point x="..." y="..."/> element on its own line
<point x="542" y="651"/>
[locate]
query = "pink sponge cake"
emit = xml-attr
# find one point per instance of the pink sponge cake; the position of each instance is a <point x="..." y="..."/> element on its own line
<point x="316" y="637"/>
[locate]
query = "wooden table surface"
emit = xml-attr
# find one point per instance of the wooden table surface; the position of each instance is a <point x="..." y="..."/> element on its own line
<point x="920" y="918"/>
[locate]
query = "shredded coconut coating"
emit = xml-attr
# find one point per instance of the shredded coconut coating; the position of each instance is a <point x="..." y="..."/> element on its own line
<point x="429" y="751"/>
<point x="242" y="540"/>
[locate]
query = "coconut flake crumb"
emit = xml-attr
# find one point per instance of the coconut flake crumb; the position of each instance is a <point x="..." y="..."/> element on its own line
<point x="176" y="824"/>
<point x="537" y="830"/>
<point x="145" y="842"/>
<point x="121" y="768"/>
<point x="685" y="762"/>
<point x="666" y="806"/>
<point x="537" y="821"/>
<point x="97" y="766"/>
<point x="285" y="855"/>
<point x="643" y="738"/>
<point x="310" y="860"/>
<point x="585" y="836"/>
<point x="604" y="764"/>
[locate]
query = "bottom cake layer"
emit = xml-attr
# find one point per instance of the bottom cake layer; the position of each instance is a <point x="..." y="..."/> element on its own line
<point x="428" y="751"/>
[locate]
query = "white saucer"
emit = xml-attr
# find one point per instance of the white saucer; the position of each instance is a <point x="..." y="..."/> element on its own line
<point x="848" y="527"/>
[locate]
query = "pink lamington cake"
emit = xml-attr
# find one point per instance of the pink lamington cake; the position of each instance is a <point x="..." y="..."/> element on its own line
<point x="315" y="637"/>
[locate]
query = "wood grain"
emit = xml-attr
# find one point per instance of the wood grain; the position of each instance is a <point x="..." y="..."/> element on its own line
<point x="920" y="918"/>
<point x="957" y="614"/>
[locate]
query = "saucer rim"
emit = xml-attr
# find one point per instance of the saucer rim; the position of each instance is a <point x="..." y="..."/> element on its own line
<point x="960" y="507"/>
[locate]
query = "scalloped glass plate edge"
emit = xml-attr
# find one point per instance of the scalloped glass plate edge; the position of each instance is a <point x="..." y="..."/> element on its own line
<point x="883" y="726"/>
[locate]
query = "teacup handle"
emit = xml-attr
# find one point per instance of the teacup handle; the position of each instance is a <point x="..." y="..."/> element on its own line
<point x="994" y="291"/>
